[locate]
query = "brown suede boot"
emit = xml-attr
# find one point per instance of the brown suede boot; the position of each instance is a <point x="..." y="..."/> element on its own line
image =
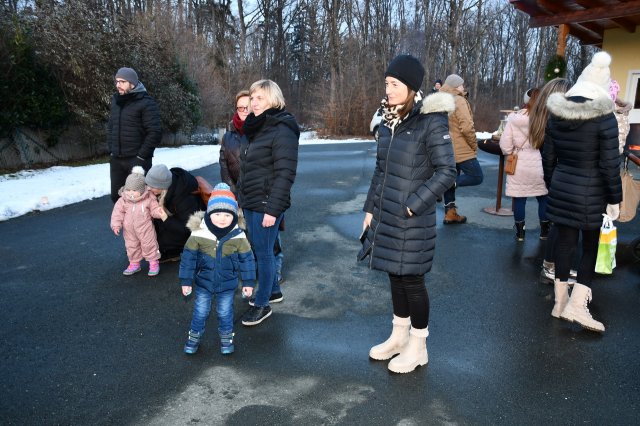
<point x="452" y="217"/>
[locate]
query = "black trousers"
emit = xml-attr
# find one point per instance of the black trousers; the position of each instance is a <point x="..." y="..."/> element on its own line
<point x="120" y="168"/>
<point x="565" y="247"/>
<point x="410" y="299"/>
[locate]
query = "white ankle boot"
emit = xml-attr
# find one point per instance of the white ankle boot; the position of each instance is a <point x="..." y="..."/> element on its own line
<point x="414" y="354"/>
<point x="561" y="291"/>
<point x="395" y="343"/>
<point x="577" y="310"/>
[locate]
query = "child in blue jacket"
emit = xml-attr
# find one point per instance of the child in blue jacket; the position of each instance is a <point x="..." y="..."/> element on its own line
<point x="215" y="255"/>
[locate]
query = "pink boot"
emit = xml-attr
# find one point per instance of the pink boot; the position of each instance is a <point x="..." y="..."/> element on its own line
<point x="154" y="268"/>
<point x="132" y="268"/>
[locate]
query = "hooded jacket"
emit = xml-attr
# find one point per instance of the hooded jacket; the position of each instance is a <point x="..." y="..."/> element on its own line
<point x="415" y="165"/>
<point x="134" y="127"/>
<point x="528" y="180"/>
<point x="135" y="216"/>
<point x="461" y="127"/>
<point x="216" y="264"/>
<point x="180" y="203"/>
<point x="580" y="160"/>
<point x="268" y="163"/>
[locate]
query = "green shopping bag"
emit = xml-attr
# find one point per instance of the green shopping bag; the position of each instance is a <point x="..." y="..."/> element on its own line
<point x="606" y="260"/>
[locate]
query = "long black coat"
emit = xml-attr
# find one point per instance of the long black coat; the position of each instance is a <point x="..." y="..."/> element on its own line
<point x="134" y="127"/>
<point x="180" y="203"/>
<point x="581" y="160"/>
<point x="268" y="163"/>
<point x="415" y="165"/>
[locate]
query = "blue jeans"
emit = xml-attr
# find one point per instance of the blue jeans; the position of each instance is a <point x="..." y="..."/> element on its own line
<point x="262" y="241"/>
<point x="469" y="174"/>
<point x="279" y="259"/>
<point x="519" y="204"/>
<point x="202" y="307"/>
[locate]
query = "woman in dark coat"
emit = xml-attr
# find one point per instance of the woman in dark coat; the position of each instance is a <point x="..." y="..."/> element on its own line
<point x="176" y="190"/>
<point x="415" y="166"/>
<point x="581" y="169"/>
<point x="230" y="146"/>
<point x="268" y="163"/>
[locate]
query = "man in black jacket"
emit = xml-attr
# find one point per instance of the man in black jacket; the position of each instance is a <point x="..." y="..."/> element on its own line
<point x="134" y="128"/>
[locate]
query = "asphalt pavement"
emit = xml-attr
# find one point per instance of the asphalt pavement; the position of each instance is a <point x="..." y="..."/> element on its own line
<point x="81" y="344"/>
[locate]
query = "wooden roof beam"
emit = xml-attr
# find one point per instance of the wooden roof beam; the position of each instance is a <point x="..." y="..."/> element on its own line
<point x="624" y="23"/>
<point x="619" y="10"/>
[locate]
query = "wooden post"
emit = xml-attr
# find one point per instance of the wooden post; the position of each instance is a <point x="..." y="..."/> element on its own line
<point x="563" y="32"/>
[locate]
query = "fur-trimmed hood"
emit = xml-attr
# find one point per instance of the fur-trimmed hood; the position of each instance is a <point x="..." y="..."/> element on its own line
<point x="438" y="102"/>
<point x="195" y="220"/>
<point x="568" y="109"/>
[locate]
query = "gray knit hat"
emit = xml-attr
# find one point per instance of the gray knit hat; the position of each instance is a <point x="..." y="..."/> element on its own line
<point x="128" y="74"/>
<point x="454" y="80"/>
<point x="135" y="181"/>
<point x="159" y="176"/>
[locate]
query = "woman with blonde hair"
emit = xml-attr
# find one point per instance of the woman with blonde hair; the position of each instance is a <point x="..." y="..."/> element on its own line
<point x="538" y="117"/>
<point x="268" y="163"/>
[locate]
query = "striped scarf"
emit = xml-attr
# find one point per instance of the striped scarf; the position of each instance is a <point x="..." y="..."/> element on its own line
<point x="390" y="114"/>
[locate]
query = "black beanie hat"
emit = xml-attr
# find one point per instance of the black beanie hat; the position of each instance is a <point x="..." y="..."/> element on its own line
<point x="408" y="70"/>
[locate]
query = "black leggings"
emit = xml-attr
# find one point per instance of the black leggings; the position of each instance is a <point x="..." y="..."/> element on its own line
<point x="410" y="299"/>
<point x="565" y="246"/>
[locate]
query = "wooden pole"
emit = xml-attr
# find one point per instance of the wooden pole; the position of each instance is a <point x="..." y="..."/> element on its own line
<point x="563" y="32"/>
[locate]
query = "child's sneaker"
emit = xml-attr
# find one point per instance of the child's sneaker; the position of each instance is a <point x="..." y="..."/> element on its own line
<point x="132" y="269"/>
<point x="191" y="347"/>
<point x="154" y="268"/>
<point x="226" y="343"/>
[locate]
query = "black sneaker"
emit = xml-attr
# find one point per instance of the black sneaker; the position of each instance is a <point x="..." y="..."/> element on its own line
<point x="255" y="315"/>
<point x="274" y="298"/>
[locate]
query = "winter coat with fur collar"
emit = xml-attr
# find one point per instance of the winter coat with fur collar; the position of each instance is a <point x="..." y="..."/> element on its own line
<point x="580" y="160"/>
<point x="216" y="264"/>
<point x="461" y="127"/>
<point x="415" y="165"/>
<point x="528" y="180"/>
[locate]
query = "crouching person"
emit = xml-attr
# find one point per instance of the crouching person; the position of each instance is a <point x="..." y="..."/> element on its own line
<point x="216" y="254"/>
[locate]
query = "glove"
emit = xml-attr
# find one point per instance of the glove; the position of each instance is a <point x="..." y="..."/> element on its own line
<point x="613" y="211"/>
<point x="138" y="161"/>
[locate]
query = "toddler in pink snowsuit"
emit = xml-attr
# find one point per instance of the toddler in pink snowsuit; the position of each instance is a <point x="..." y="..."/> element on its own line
<point x="134" y="212"/>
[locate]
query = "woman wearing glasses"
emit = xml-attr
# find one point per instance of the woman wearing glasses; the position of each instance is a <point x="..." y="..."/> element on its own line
<point x="268" y="163"/>
<point x="230" y="147"/>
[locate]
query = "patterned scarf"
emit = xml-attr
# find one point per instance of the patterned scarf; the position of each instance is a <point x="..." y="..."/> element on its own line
<point x="390" y="113"/>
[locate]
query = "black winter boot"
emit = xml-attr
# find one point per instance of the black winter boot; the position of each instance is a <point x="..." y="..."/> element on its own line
<point x="545" y="226"/>
<point x="519" y="228"/>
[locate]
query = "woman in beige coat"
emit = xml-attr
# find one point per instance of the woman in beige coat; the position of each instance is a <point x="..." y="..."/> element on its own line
<point x="528" y="180"/>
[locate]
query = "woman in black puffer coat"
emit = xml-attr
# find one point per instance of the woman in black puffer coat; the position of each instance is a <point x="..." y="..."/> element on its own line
<point x="415" y="166"/>
<point x="268" y="163"/>
<point x="581" y="169"/>
<point x="177" y="192"/>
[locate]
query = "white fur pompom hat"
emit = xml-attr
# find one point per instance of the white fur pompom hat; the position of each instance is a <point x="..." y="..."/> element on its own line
<point x="593" y="83"/>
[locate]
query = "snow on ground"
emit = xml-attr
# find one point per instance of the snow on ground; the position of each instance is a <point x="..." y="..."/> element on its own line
<point x="31" y="190"/>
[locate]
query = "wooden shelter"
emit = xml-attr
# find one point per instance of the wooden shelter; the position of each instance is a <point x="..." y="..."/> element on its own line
<point x="609" y="24"/>
<point x="586" y="20"/>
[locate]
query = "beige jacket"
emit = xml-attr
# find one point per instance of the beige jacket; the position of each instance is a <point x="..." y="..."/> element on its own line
<point x="461" y="129"/>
